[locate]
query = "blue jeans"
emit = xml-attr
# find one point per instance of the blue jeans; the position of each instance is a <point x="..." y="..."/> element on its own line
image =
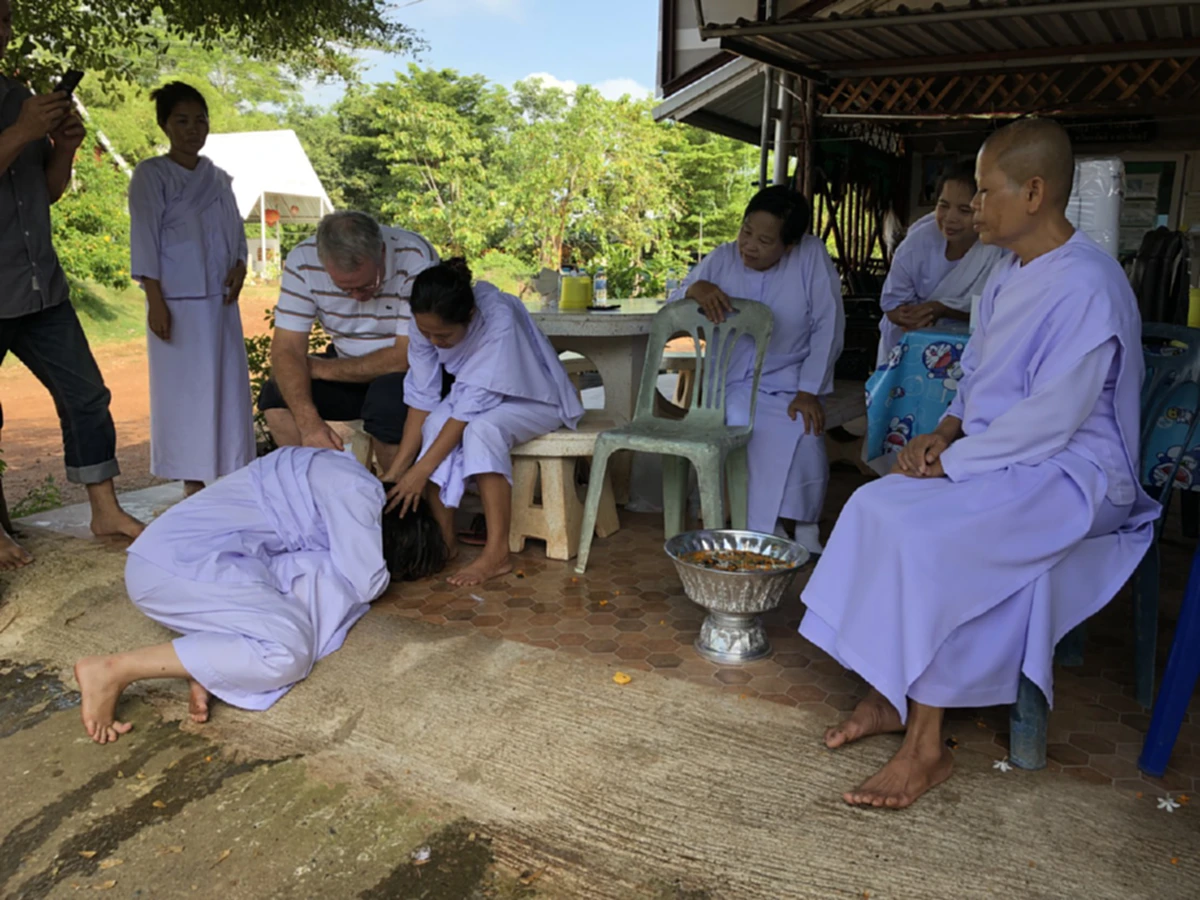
<point x="52" y="344"/>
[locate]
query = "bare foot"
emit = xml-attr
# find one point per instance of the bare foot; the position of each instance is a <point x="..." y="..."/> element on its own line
<point x="485" y="568"/>
<point x="119" y="523"/>
<point x="101" y="687"/>
<point x="192" y="487"/>
<point x="908" y="775"/>
<point x="873" y="715"/>
<point x="197" y="702"/>
<point x="12" y="554"/>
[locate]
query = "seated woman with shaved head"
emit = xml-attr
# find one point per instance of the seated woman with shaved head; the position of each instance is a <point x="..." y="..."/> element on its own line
<point x="1036" y="459"/>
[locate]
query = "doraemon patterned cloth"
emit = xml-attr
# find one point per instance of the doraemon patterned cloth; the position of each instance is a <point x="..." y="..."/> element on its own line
<point x="1177" y="402"/>
<point x="909" y="395"/>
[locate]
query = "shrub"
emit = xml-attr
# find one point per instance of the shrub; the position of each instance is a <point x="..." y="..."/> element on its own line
<point x="258" y="357"/>
<point x="91" y="222"/>
<point x="41" y="497"/>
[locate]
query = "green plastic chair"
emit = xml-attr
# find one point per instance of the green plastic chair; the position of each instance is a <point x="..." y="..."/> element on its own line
<point x="702" y="437"/>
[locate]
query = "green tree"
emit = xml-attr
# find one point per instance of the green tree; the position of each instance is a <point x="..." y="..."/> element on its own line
<point x="590" y="175"/>
<point x="717" y="177"/>
<point x="243" y="93"/>
<point x="90" y="222"/>
<point x="439" y="134"/>
<point x="316" y="37"/>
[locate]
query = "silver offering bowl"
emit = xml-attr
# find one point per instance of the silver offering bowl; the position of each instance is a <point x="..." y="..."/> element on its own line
<point x="733" y="632"/>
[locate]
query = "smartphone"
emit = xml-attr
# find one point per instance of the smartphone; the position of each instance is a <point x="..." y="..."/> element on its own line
<point x="70" y="81"/>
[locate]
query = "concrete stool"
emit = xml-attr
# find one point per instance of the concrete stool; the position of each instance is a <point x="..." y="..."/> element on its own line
<point x="360" y="443"/>
<point x="558" y="518"/>
<point x="577" y="366"/>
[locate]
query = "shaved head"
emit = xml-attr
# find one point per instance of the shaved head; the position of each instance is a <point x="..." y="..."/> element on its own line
<point x="1035" y="148"/>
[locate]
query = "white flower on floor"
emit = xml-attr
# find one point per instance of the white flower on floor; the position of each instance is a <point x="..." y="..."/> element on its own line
<point x="1168" y="804"/>
<point x="1003" y="765"/>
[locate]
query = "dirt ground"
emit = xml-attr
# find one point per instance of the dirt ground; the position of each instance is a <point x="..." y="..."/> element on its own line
<point x="32" y="440"/>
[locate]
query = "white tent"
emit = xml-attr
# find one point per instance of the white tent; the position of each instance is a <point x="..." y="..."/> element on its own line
<point x="274" y="183"/>
<point x="270" y="171"/>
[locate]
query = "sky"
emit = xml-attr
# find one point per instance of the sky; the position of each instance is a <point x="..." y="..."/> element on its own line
<point x="610" y="44"/>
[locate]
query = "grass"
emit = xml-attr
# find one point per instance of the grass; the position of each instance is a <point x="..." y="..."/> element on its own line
<point x="108" y="316"/>
<point x="42" y="497"/>
<point x="112" y="317"/>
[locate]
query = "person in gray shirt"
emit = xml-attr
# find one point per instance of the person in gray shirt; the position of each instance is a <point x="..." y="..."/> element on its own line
<point x="39" y="135"/>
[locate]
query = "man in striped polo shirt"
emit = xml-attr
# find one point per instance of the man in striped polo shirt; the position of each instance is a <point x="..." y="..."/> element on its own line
<point x="355" y="277"/>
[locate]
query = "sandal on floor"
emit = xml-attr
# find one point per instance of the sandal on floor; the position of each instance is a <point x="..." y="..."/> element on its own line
<point x="476" y="536"/>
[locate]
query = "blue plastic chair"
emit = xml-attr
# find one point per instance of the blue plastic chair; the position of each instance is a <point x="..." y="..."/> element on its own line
<point x="1179" y="681"/>
<point x="1172" y="383"/>
<point x="1170" y="397"/>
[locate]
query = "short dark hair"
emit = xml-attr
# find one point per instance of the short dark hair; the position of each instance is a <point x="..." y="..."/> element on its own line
<point x="170" y="95"/>
<point x="958" y="173"/>
<point x="413" y="546"/>
<point x="445" y="290"/>
<point x="787" y="205"/>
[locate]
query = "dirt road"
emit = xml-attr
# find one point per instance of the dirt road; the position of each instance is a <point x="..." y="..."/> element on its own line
<point x="32" y="441"/>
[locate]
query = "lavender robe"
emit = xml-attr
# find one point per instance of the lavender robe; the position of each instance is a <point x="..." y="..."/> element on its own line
<point x="804" y="293"/>
<point x="509" y="387"/>
<point x="1043" y="483"/>
<point x="186" y="233"/>
<point x="918" y="267"/>
<point x="264" y="572"/>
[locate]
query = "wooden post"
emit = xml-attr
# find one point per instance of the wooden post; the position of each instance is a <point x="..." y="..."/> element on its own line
<point x="805" y="126"/>
<point x="783" y="130"/>
<point x="262" y="231"/>
<point x="764" y="134"/>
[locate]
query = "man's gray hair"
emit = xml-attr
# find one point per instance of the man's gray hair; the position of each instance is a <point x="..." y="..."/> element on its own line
<point x="346" y="240"/>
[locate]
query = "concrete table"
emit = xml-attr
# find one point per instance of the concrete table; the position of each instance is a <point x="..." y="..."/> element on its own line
<point x="615" y="343"/>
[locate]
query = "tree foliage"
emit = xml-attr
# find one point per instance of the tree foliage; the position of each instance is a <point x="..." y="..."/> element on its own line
<point x="114" y="37"/>
<point x="90" y="223"/>
<point x="546" y="177"/>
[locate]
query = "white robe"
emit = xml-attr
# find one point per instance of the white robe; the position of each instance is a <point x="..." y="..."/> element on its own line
<point x="186" y="233"/>
<point x="1044" y="483"/>
<point x="509" y="387"/>
<point x="920" y="273"/>
<point x="265" y="572"/>
<point x="804" y="293"/>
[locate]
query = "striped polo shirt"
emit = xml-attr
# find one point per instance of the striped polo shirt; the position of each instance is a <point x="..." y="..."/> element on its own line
<point x="308" y="294"/>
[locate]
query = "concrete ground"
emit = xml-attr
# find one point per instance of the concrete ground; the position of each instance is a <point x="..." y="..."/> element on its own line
<point x="524" y="772"/>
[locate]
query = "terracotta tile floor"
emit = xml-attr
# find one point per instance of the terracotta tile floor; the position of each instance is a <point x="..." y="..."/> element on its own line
<point x="629" y="613"/>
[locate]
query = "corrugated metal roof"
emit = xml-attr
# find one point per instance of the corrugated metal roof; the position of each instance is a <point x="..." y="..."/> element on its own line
<point x="855" y="38"/>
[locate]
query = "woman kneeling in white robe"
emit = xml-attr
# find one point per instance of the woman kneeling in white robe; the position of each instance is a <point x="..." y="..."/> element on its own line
<point x="775" y="262"/>
<point x="188" y="250"/>
<point x="509" y="388"/>
<point x="263" y="574"/>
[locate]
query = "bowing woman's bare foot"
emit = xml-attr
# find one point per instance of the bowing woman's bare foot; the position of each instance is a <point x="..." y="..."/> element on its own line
<point x="12" y="554"/>
<point x="485" y="568"/>
<point x="100" y="686"/>
<point x="873" y="715"/>
<point x="198" y="698"/>
<point x="921" y="764"/>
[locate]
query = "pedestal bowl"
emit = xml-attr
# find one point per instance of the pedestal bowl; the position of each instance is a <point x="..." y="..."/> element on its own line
<point x="733" y="632"/>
